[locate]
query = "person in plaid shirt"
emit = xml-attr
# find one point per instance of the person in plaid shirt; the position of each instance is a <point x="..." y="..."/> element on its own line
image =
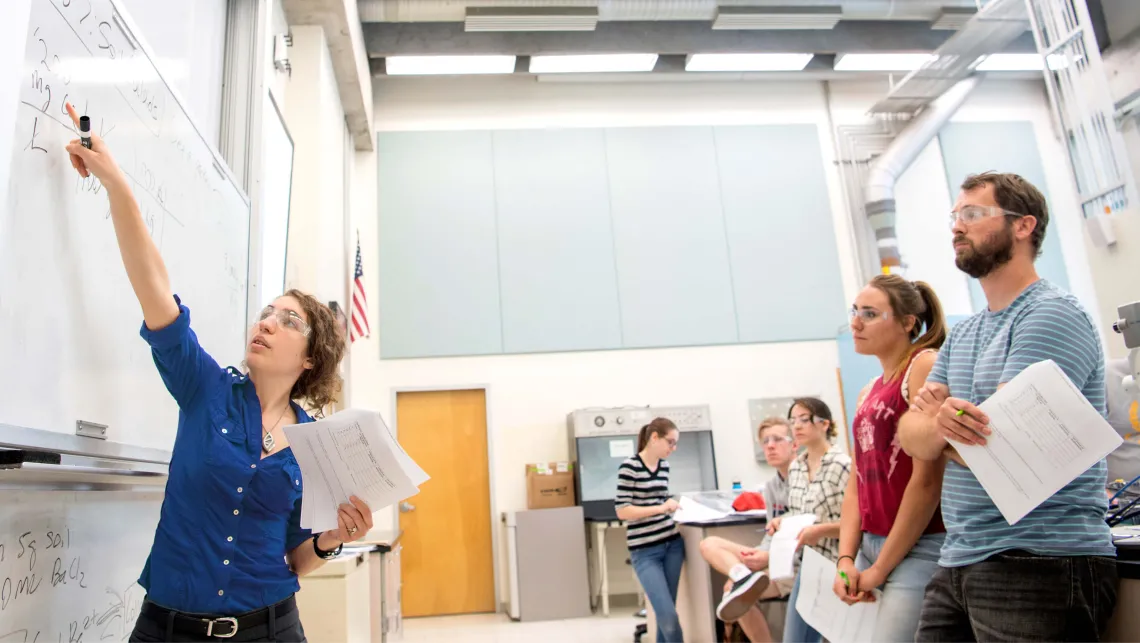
<point x="817" y="480"/>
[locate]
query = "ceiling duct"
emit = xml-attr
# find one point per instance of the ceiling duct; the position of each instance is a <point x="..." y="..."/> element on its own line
<point x="879" y="191"/>
<point x="991" y="30"/>
<point x="777" y="17"/>
<point x="531" y="19"/>
<point x="649" y="10"/>
<point x="953" y="18"/>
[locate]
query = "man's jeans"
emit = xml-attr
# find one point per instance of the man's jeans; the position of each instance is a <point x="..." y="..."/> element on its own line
<point x="1019" y="596"/>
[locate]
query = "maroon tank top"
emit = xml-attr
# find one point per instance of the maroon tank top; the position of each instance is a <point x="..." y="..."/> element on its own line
<point x="883" y="469"/>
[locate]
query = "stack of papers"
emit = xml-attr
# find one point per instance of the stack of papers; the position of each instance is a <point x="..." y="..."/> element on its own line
<point x="817" y="603"/>
<point x="782" y="552"/>
<point x="693" y="511"/>
<point x="351" y="453"/>
<point x="708" y="507"/>
<point x="1045" y="434"/>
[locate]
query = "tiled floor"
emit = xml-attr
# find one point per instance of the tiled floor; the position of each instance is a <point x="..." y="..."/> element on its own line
<point x="498" y="628"/>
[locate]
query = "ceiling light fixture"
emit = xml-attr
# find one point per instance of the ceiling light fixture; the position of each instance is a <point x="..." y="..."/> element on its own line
<point x="747" y="62"/>
<point x="882" y="62"/>
<point x="1019" y="62"/>
<point x="448" y="65"/>
<point x="592" y="63"/>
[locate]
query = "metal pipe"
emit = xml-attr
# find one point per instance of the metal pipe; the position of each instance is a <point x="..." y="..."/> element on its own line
<point x="879" y="190"/>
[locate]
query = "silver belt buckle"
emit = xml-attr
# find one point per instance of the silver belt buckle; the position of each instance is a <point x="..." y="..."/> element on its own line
<point x="225" y="619"/>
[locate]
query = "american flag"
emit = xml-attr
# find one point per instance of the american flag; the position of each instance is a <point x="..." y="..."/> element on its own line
<point x="359" y="325"/>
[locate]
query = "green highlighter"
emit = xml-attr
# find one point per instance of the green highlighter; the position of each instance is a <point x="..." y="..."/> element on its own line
<point x="846" y="581"/>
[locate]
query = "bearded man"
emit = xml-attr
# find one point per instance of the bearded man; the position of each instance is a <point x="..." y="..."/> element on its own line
<point x="1052" y="576"/>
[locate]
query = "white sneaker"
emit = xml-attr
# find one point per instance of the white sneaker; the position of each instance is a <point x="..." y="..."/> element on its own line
<point x="743" y="595"/>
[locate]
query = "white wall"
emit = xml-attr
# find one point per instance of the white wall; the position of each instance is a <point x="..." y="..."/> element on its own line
<point x="317" y="258"/>
<point x="530" y="395"/>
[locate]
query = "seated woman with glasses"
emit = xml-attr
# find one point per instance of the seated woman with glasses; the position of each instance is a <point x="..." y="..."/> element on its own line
<point x="744" y="566"/>
<point x="892" y="532"/>
<point x="817" y="481"/>
<point x="229" y="545"/>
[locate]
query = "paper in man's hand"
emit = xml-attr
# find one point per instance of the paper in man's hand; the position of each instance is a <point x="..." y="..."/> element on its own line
<point x="351" y="453"/>
<point x="1045" y="434"/>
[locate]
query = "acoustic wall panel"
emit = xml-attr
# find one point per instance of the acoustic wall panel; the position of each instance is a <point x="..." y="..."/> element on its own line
<point x="438" y="264"/>
<point x="556" y="247"/>
<point x="673" y="271"/>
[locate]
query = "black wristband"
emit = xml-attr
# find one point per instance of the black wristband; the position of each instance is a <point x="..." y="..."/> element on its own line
<point x="326" y="555"/>
<point x="842" y="557"/>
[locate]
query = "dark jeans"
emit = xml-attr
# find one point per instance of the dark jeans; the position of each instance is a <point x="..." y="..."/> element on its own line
<point x="1019" y="596"/>
<point x="658" y="569"/>
<point x="285" y="628"/>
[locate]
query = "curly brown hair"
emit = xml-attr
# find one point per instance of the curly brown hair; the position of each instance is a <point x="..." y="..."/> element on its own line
<point x="319" y="385"/>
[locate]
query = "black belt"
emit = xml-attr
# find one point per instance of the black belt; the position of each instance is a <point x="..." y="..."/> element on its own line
<point x="218" y="627"/>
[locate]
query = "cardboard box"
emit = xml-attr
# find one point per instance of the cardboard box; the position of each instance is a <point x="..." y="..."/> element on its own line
<point x="549" y="485"/>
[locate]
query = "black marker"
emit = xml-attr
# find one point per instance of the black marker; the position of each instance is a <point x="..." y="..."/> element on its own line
<point x="85" y="131"/>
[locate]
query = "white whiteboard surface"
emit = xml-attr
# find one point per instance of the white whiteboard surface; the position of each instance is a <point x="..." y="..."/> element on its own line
<point x="70" y="561"/>
<point x="69" y="321"/>
<point x="189" y="41"/>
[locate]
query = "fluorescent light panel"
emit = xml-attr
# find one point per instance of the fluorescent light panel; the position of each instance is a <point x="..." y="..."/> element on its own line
<point x="747" y="62"/>
<point x="882" y="62"/>
<point x="592" y="63"/>
<point x="448" y="65"/>
<point x="1019" y="62"/>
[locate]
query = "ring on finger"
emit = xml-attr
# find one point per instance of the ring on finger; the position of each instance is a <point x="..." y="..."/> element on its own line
<point x="352" y="530"/>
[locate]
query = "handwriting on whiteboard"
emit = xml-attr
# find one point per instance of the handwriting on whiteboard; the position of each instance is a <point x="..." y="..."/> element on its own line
<point x="33" y="565"/>
<point x="111" y="54"/>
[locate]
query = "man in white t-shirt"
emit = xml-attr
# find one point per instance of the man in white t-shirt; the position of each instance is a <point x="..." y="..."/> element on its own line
<point x="744" y="566"/>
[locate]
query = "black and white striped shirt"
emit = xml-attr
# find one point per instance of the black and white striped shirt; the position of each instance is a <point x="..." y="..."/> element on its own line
<point x="640" y="487"/>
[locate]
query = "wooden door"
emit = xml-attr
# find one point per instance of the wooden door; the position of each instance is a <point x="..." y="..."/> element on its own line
<point x="447" y="561"/>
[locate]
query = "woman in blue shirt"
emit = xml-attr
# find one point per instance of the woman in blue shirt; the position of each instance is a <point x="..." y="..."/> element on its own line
<point x="229" y="544"/>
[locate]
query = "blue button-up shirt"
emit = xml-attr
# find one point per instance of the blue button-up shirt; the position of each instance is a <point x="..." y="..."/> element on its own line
<point x="229" y="516"/>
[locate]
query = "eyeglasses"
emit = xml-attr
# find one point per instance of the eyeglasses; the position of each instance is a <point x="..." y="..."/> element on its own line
<point x="774" y="439"/>
<point x="285" y="319"/>
<point x="672" y="442"/>
<point x="867" y="315"/>
<point x="973" y="213"/>
<point x="803" y="419"/>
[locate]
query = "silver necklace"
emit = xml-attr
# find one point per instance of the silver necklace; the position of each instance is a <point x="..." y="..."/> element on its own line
<point x="267" y="441"/>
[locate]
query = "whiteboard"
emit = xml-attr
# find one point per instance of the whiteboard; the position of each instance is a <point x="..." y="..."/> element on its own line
<point x="69" y="562"/>
<point x="69" y="321"/>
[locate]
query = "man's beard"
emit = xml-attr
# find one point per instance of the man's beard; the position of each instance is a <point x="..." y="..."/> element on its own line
<point x="993" y="253"/>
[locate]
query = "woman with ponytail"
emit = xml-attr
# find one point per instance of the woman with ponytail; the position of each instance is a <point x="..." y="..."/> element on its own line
<point x="644" y="503"/>
<point x="891" y="529"/>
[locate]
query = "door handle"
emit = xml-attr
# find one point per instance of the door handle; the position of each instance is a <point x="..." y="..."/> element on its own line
<point x="405" y="507"/>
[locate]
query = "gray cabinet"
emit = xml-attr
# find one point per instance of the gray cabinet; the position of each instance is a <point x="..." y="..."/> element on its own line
<point x="548" y="568"/>
<point x="386" y="592"/>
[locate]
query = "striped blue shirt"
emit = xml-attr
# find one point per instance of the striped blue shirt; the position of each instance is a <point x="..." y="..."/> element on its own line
<point x="991" y="348"/>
